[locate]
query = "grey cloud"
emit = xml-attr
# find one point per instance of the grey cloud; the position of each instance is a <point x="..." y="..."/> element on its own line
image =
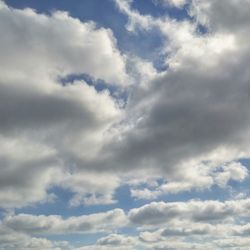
<point x="26" y="108"/>
<point x="20" y="182"/>
<point x="185" y="232"/>
<point x="159" y="213"/>
<point x="154" y="213"/>
<point x="10" y="240"/>
<point x="43" y="124"/>
<point x="53" y="224"/>
<point x="195" y="112"/>
<point x="223" y="15"/>
<point x="116" y="240"/>
<point x="180" y="124"/>
<point x="197" y="108"/>
<point x="233" y="243"/>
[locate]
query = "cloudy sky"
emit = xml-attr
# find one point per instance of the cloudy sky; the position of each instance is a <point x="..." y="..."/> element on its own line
<point x="124" y="124"/>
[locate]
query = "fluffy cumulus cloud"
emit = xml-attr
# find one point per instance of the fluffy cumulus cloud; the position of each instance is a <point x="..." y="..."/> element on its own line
<point x="36" y="37"/>
<point x="80" y="116"/>
<point x="45" y="124"/>
<point x="210" y="224"/>
<point x="11" y="240"/>
<point x="188" y="114"/>
<point x="114" y="241"/>
<point x="158" y="213"/>
<point x="54" y="224"/>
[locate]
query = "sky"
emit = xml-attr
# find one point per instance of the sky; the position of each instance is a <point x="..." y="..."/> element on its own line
<point x="124" y="125"/>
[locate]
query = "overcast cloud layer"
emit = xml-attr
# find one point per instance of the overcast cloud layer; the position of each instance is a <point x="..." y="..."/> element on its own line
<point x="82" y="120"/>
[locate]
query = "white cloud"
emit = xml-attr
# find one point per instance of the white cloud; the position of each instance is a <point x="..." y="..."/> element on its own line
<point x="20" y="182"/>
<point x="116" y="240"/>
<point x="182" y="129"/>
<point x="233" y="243"/>
<point x="194" y="113"/>
<point x="178" y="225"/>
<point x="136" y="20"/>
<point x="57" y="45"/>
<point x="91" y="188"/>
<point x="175" y="3"/>
<point x="55" y="128"/>
<point x="200" y="178"/>
<point x="173" y="123"/>
<point x="217" y="15"/>
<point x="189" y="124"/>
<point x="233" y="171"/>
<point x="96" y="247"/>
<point x="47" y="130"/>
<point x="54" y="224"/>
<point x="160" y="213"/>
<point x="10" y="240"/>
